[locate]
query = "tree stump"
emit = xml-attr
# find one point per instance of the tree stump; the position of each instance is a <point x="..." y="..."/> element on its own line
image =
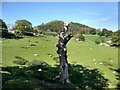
<point x="62" y="53"/>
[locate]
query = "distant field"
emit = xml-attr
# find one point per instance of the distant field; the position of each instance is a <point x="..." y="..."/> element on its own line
<point x="78" y="52"/>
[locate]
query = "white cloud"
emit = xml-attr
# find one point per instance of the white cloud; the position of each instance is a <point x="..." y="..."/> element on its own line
<point x="93" y="13"/>
<point x="105" y="19"/>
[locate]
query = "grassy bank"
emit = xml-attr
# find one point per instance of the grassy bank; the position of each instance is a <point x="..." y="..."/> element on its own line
<point x="44" y="48"/>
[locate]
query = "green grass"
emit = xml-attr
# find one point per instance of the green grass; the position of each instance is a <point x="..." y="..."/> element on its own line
<point x="12" y="48"/>
<point x="78" y="52"/>
<point x="91" y="37"/>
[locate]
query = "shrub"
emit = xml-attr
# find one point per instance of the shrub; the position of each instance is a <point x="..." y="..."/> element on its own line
<point x="97" y="41"/>
<point x="36" y="63"/>
<point x="19" y="60"/>
<point x="36" y="41"/>
<point x="82" y="38"/>
<point x="116" y="38"/>
<point x="33" y="45"/>
<point x="21" y="84"/>
<point x="102" y="39"/>
<point x="28" y="33"/>
<point x="79" y="37"/>
<point x="56" y="59"/>
<point x="51" y="34"/>
<point x="9" y="35"/>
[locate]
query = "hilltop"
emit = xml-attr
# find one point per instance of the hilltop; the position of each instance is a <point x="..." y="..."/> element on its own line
<point x="57" y="25"/>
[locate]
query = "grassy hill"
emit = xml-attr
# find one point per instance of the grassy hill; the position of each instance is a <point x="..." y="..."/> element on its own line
<point x="57" y="26"/>
<point x="88" y="54"/>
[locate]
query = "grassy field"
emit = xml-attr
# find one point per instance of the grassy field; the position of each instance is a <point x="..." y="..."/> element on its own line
<point x="83" y="53"/>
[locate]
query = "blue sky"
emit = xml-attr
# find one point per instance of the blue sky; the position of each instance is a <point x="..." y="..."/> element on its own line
<point x="94" y="14"/>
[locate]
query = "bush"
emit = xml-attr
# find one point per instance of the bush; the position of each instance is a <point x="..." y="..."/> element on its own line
<point x="56" y="59"/>
<point x="97" y="41"/>
<point x="41" y="70"/>
<point x="116" y="38"/>
<point x="36" y="41"/>
<point x="21" y="84"/>
<point x="28" y="33"/>
<point x="79" y="37"/>
<point x="118" y="77"/>
<point x="36" y="63"/>
<point x="82" y="38"/>
<point x="51" y="34"/>
<point x="33" y="45"/>
<point x="8" y="35"/>
<point x="102" y="39"/>
<point x="19" y="60"/>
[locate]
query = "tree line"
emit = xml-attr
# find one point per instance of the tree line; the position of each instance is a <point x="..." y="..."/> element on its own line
<point x="24" y="27"/>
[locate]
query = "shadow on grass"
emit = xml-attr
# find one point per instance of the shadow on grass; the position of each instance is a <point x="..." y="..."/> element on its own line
<point x="11" y="36"/>
<point x="44" y="77"/>
<point x="118" y="78"/>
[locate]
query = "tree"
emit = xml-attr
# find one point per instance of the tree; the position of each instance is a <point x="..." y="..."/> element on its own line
<point x="97" y="41"/>
<point x="82" y="38"/>
<point x="3" y="28"/>
<point x="57" y="25"/>
<point x="99" y="33"/>
<point x="78" y="36"/>
<point x="93" y="31"/>
<point x="110" y="33"/>
<point x="62" y="52"/>
<point x="116" y="38"/>
<point x="105" y="32"/>
<point x="54" y="26"/>
<point x="98" y="30"/>
<point x="22" y="26"/>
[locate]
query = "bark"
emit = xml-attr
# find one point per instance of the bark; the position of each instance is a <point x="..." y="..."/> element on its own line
<point x="62" y="53"/>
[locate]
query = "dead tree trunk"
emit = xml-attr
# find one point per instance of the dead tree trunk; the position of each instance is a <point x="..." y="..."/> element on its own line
<point x="62" y="52"/>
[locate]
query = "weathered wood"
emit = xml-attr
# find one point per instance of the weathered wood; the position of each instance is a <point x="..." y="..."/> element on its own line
<point x="62" y="52"/>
